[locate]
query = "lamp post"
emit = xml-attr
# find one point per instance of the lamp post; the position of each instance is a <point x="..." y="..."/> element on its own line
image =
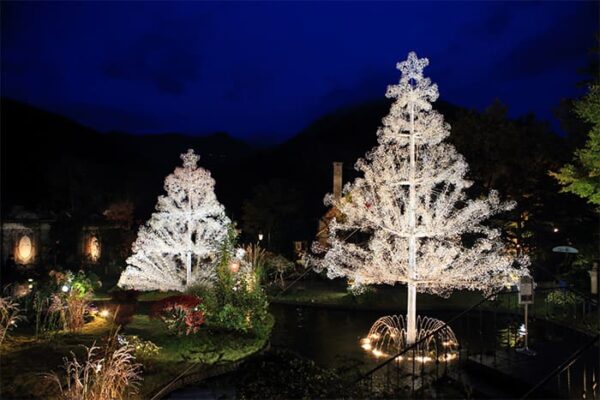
<point x="594" y="279"/>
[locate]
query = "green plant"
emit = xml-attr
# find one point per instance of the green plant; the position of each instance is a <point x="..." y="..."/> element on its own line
<point x="236" y="301"/>
<point x="143" y="349"/>
<point x="278" y="267"/>
<point x="563" y="298"/>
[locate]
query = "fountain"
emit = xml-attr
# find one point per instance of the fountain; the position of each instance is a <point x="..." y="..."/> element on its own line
<point x="388" y="337"/>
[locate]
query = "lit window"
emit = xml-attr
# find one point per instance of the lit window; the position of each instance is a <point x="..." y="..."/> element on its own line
<point x="24" y="249"/>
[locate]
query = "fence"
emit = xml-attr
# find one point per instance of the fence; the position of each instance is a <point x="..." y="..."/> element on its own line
<point x="498" y="324"/>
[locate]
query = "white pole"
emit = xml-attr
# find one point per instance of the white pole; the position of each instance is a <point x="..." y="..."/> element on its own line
<point x="526" y="327"/>
<point x="411" y="320"/>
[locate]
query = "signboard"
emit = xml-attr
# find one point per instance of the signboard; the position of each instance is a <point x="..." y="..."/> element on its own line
<point x="565" y="249"/>
<point x="526" y="290"/>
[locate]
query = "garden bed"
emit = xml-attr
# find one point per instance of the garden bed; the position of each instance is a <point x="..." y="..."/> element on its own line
<point x="25" y="358"/>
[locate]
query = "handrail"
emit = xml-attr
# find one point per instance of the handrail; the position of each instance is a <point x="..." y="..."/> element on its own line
<point x="577" y="292"/>
<point x="404" y="351"/>
<point x="566" y="364"/>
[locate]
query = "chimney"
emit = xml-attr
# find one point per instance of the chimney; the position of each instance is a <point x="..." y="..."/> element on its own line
<point x="337" y="180"/>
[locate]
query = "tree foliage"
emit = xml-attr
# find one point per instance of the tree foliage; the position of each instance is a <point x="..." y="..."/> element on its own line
<point x="582" y="176"/>
<point x="408" y="219"/>
<point x="179" y="246"/>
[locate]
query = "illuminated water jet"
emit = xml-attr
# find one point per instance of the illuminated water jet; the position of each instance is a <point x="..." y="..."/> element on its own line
<point x="388" y="336"/>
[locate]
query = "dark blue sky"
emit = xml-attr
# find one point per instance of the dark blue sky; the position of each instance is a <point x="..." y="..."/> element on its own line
<point x="271" y="68"/>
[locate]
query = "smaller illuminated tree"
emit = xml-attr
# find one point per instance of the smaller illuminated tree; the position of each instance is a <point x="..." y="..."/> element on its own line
<point x="180" y="244"/>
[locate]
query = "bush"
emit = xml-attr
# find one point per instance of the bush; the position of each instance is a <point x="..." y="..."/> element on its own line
<point x="236" y="304"/>
<point x="236" y="301"/>
<point x="145" y="351"/>
<point x="283" y="375"/>
<point x="126" y="305"/>
<point x="180" y="314"/>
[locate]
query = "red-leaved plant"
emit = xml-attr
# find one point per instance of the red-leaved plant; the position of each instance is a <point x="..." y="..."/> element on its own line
<point x="180" y="314"/>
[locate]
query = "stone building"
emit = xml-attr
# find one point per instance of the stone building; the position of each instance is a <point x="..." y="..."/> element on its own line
<point x="30" y="241"/>
<point x="24" y="238"/>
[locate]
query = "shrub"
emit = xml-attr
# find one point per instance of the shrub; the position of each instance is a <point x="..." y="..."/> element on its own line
<point x="144" y="350"/>
<point x="75" y="309"/>
<point x="278" y="267"/>
<point x="180" y="314"/>
<point x="126" y="305"/>
<point x="236" y="303"/>
<point x="563" y="298"/>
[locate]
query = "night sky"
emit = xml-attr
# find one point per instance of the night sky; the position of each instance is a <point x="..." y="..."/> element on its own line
<point x="269" y="69"/>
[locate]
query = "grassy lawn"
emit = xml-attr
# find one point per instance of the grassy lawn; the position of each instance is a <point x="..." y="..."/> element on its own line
<point x="24" y="358"/>
<point x="393" y="299"/>
<point x="381" y="298"/>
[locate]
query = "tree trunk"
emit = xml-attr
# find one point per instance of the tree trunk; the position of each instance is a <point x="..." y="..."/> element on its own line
<point x="411" y="320"/>
<point x="411" y="315"/>
<point x="188" y="269"/>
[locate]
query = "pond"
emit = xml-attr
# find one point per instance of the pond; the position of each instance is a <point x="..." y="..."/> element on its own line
<point x="331" y="337"/>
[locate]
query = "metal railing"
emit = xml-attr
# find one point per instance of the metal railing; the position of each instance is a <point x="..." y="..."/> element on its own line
<point x="416" y="374"/>
<point x="495" y="352"/>
<point x="589" y="378"/>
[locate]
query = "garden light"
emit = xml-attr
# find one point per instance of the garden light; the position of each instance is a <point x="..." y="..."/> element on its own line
<point x="64" y="288"/>
<point x="234" y="267"/>
<point x="104" y="313"/>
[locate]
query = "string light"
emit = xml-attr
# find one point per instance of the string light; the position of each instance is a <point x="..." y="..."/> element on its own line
<point x="411" y="211"/>
<point x="178" y="247"/>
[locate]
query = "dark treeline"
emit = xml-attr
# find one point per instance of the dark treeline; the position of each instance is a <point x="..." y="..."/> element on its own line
<point x="54" y="166"/>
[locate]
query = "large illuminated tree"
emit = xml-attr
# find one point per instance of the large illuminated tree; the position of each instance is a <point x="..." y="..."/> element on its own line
<point x="178" y="247"/>
<point x="408" y="218"/>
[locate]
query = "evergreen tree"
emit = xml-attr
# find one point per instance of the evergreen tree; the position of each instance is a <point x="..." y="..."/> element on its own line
<point x="582" y="177"/>
<point x="408" y="218"/>
<point x="179" y="246"/>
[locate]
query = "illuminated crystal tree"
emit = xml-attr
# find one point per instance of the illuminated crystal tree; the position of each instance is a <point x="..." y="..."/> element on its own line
<point x="178" y="247"/>
<point x="408" y="218"/>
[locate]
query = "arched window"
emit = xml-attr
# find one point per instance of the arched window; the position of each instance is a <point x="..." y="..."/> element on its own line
<point x="94" y="248"/>
<point x="24" y="249"/>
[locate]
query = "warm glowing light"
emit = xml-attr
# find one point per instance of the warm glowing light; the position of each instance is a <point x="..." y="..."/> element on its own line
<point x="423" y="359"/>
<point x="29" y="280"/>
<point x="104" y="313"/>
<point x="388" y="335"/>
<point x="30" y="286"/>
<point x="25" y="248"/>
<point x="555" y="230"/>
<point x="234" y="267"/>
<point x="64" y="288"/>
<point x="260" y="236"/>
<point x="448" y="357"/>
<point x="378" y="353"/>
<point x="93" y="249"/>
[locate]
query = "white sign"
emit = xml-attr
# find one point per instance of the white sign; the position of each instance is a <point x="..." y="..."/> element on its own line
<point x="526" y="290"/>
<point x="565" y="249"/>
